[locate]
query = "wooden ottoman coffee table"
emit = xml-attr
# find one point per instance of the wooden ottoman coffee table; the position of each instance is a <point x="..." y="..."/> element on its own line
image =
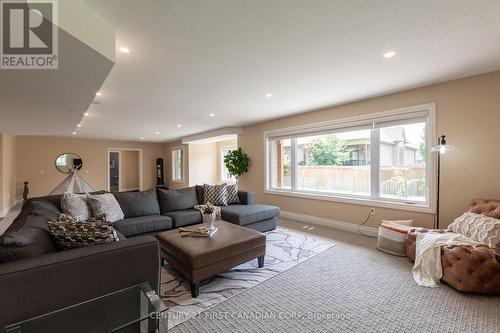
<point x="198" y="258"/>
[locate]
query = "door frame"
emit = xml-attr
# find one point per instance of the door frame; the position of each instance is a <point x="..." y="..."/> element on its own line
<point x="119" y="151"/>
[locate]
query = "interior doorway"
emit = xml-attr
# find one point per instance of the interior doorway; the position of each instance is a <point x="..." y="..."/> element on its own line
<point x="124" y="169"/>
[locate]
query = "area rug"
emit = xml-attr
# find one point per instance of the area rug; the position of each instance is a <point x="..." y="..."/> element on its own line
<point x="285" y="248"/>
<point x="351" y="287"/>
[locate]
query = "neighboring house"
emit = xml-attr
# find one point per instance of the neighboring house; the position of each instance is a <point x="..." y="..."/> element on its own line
<point x="395" y="149"/>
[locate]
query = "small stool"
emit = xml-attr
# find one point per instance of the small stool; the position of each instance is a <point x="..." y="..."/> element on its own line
<point x="391" y="238"/>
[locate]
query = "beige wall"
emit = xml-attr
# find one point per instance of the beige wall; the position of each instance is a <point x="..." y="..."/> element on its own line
<point x="130" y="169"/>
<point x="36" y="156"/>
<point x="468" y="113"/>
<point x="7" y="172"/>
<point x="203" y="164"/>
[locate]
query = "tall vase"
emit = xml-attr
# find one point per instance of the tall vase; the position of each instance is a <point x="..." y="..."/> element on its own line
<point x="210" y="221"/>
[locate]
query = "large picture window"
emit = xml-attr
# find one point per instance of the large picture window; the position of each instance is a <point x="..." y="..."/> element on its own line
<point x="383" y="157"/>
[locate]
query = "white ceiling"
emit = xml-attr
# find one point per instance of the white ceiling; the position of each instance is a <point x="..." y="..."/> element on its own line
<point x="191" y="58"/>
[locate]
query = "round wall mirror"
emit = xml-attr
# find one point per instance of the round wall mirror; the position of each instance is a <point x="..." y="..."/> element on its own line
<point x="67" y="161"/>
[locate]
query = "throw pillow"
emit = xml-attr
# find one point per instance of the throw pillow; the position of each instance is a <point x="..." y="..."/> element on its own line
<point x="215" y="194"/>
<point x="481" y="228"/>
<point x="76" y="206"/>
<point x="105" y="204"/>
<point x="70" y="233"/>
<point x="232" y="194"/>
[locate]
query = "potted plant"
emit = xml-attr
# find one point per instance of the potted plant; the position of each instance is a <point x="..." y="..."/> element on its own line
<point x="209" y="216"/>
<point x="236" y="162"/>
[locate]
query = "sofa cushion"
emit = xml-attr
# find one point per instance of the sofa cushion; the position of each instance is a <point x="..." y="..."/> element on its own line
<point x="32" y="240"/>
<point x="185" y="217"/>
<point x="174" y="200"/>
<point x="45" y="209"/>
<point x="232" y="194"/>
<point x="105" y="204"/>
<point x="136" y="204"/>
<point x="243" y="214"/>
<point x="215" y="194"/>
<point x="143" y="224"/>
<point x="76" y="206"/>
<point x="70" y="233"/>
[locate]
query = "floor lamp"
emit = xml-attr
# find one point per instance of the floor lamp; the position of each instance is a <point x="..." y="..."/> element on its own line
<point x="440" y="148"/>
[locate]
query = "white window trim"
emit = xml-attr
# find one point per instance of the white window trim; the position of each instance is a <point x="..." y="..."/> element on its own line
<point x="222" y="165"/>
<point x="394" y="114"/>
<point x="172" y="166"/>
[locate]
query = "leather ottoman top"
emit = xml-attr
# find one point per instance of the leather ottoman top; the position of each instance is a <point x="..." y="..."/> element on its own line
<point x="195" y="252"/>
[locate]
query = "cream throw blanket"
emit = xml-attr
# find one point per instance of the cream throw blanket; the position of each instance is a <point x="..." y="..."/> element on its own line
<point x="427" y="270"/>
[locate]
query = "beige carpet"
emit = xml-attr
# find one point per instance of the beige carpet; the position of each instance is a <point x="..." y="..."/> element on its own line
<point x="351" y="287"/>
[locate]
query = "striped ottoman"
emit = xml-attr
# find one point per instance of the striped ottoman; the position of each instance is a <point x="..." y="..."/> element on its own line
<point x="391" y="237"/>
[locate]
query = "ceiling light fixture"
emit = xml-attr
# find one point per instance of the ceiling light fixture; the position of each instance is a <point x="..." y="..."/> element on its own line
<point x="389" y="54"/>
<point x="124" y="49"/>
<point x="98" y="94"/>
<point x="157" y="133"/>
<point x="74" y="133"/>
<point x="86" y="114"/>
<point x="178" y="125"/>
<point x="142" y="138"/>
<point x="79" y="125"/>
<point x="211" y="114"/>
<point x="269" y="95"/>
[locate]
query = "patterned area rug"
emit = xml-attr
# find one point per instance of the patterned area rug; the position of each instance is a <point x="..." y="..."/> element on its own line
<point x="286" y="248"/>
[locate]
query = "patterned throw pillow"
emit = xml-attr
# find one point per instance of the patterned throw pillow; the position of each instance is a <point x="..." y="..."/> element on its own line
<point x="481" y="228"/>
<point x="215" y="194"/>
<point x="105" y="204"/>
<point x="70" y="233"/>
<point x="76" y="206"/>
<point x="232" y="194"/>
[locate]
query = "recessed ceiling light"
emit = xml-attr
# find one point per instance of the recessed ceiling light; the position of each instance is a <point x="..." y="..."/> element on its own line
<point x="269" y="95"/>
<point x="79" y="125"/>
<point x="389" y="54"/>
<point x="86" y="114"/>
<point x="142" y="138"/>
<point x="157" y="133"/>
<point x="74" y="133"/>
<point x="98" y="94"/>
<point x="211" y="114"/>
<point x="178" y="125"/>
<point x="124" y="49"/>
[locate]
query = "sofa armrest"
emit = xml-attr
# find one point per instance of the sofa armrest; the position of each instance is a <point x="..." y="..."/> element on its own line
<point x="35" y="286"/>
<point x="246" y="198"/>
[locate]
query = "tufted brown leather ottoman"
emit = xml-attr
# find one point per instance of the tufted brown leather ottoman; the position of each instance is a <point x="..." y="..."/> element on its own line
<point x="198" y="258"/>
<point x="465" y="268"/>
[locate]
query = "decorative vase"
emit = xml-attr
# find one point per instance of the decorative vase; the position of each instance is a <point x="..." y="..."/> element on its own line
<point x="209" y="220"/>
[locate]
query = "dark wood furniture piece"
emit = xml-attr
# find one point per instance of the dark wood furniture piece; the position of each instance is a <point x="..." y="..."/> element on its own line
<point x="199" y="258"/>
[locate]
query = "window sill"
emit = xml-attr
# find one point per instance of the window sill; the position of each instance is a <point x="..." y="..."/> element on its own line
<point x="355" y="201"/>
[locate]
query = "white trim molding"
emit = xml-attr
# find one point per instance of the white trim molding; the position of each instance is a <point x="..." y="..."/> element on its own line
<point x="346" y="226"/>
<point x="372" y="121"/>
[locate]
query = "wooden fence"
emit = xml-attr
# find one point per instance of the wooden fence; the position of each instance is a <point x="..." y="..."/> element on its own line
<point x="403" y="181"/>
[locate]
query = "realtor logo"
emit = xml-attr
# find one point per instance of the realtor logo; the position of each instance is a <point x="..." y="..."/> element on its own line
<point x="29" y="34"/>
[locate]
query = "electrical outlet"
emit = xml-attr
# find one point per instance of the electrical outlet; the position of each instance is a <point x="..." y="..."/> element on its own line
<point x="372" y="211"/>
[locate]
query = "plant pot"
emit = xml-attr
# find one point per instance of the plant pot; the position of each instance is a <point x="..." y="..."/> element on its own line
<point x="209" y="220"/>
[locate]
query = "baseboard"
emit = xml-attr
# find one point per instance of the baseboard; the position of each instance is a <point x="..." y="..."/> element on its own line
<point x="7" y="210"/>
<point x="370" y="231"/>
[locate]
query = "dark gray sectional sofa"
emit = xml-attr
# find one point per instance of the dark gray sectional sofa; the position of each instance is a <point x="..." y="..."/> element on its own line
<point x="36" y="277"/>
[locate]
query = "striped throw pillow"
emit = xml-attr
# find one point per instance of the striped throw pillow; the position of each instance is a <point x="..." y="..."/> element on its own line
<point x="215" y="194"/>
<point x="232" y="194"/>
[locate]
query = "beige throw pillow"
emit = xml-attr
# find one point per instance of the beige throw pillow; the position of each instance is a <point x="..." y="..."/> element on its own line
<point x="480" y="228"/>
<point x="106" y="204"/>
<point x="76" y="206"/>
